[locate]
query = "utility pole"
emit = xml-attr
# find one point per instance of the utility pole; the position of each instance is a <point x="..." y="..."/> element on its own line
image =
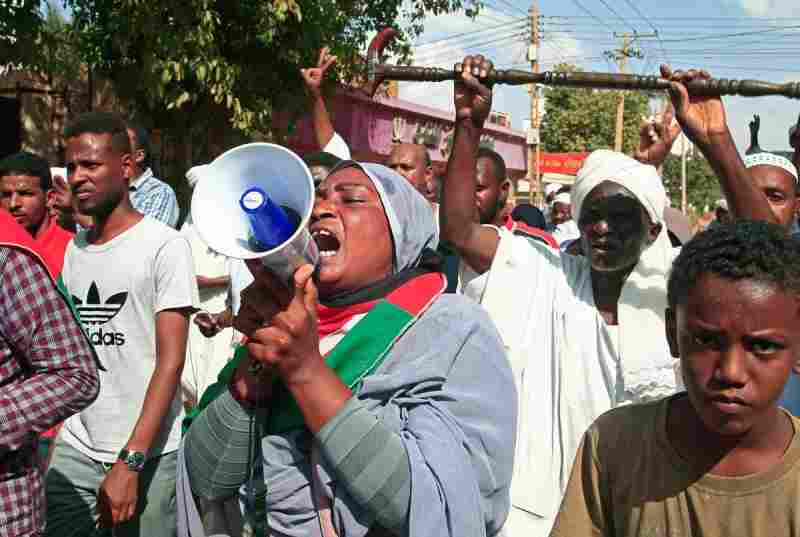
<point x="621" y="56"/>
<point x="684" y="150"/>
<point x="534" y="148"/>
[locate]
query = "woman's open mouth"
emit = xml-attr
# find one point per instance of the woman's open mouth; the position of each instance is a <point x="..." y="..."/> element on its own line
<point x="327" y="243"/>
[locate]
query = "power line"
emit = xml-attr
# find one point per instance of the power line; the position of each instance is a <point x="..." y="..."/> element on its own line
<point x="726" y="36"/>
<point x="493" y="18"/>
<point x="674" y="25"/>
<point x="702" y="37"/>
<point x="512" y="6"/>
<point x="499" y="9"/>
<point x="585" y="10"/>
<point x="642" y="15"/>
<point x="465" y="43"/>
<point x="472" y="33"/>
<point x="614" y="11"/>
<point x="570" y="17"/>
<point x="453" y="52"/>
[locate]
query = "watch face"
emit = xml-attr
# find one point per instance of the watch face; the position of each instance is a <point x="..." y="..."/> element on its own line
<point x="134" y="459"/>
<point x="137" y="459"/>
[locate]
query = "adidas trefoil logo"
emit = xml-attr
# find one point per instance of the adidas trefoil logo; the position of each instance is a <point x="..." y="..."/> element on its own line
<point x="95" y="312"/>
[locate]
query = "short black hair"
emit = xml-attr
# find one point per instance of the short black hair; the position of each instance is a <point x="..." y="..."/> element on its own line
<point x="26" y="163"/>
<point x="743" y="249"/>
<point x="322" y="158"/>
<point x="142" y="140"/>
<point x="101" y="123"/>
<point x="530" y="215"/>
<point x="497" y="162"/>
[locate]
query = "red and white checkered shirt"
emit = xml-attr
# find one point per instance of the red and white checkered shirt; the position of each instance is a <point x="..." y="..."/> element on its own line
<point x="47" y="373"/>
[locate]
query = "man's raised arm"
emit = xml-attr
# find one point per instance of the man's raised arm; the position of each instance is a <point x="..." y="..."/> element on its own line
<point x="703" y="121"/>
<point x="326" y="136"/>
<point x="458" y="224"/>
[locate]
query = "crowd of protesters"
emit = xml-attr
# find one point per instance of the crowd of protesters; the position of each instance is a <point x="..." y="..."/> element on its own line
<point x="452" y="367"/>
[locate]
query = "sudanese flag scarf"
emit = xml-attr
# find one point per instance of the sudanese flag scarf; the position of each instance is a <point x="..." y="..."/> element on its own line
<point x="358" y="354"/>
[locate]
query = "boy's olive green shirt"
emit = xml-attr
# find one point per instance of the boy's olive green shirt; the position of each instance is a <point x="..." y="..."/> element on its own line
<point x="628" y="481"/>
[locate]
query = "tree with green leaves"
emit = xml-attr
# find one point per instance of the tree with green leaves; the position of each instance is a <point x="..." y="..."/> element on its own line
<point x="585" y="119"/>
<point x="200" y="58"/>
<point x="702" y="185"/>
<point x="20" y="24"/>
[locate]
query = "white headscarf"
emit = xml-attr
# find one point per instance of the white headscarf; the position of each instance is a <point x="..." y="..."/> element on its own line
<point x="408" y="212"/>
<point x="644" y="356"/>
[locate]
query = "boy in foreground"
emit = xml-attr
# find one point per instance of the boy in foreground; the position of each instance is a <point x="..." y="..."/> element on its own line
<point x="722" y="459"/>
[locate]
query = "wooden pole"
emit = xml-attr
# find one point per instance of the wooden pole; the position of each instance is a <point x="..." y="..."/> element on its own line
<point x="534" y="154"/>
<point x="684" y="150"/>
<point x="623" y="62"/>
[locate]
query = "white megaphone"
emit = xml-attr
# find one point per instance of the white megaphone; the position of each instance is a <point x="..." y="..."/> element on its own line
<point x="254" y="202"/>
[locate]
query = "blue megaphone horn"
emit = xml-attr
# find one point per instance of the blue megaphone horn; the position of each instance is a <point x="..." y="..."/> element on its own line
<point x="255" y="202"/>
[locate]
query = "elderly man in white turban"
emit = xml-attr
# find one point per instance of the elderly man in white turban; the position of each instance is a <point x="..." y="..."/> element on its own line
<point x="205" y="356"/>
<point x="584" y="333"/>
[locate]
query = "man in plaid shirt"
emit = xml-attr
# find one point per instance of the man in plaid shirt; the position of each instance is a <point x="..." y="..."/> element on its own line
<point x="149" y="195"/>
<point x="47" y="373"/>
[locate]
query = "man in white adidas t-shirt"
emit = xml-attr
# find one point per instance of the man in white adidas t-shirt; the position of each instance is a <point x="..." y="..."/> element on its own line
<point x="133" y="282"/>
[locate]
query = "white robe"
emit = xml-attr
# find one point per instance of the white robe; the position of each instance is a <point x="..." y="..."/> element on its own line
<point x="566" y="232"/>
<point x="565" y="360"/>
<point x="205" y="357"/>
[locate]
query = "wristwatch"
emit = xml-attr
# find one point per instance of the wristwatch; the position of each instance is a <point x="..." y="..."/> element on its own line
<point x="134" y="459"/>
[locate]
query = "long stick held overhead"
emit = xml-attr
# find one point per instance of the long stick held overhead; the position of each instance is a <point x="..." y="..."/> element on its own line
<point x="378" y="72"/>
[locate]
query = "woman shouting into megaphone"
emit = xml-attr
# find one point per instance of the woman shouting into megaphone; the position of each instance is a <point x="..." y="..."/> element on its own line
<point x="385" y="407"/>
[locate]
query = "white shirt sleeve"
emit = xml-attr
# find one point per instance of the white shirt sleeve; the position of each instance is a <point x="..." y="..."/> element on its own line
<point x="175" y="280"/>
<point x="338" y="147"/>
<point x="241" y="278"/>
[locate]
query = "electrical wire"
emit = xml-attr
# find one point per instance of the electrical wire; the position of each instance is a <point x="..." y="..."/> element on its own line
<point x="653" y="26"/>
<point x="585" y="10"/>
<point x="454" y="52"/>
<point x="504" y="25"/>
<point x="709" y="37"/>
<point x="512" y="6"/>
<point x="614" y="11"/>
<point x="469" y="41"/>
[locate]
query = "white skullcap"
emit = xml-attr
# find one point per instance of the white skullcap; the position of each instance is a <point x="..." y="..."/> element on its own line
<point x="196" y="173"/>
<point x="769" y="159"/>
<point x="551" y="188"/>
<point x="721" y="204"/>
<point x="564" y="198"/>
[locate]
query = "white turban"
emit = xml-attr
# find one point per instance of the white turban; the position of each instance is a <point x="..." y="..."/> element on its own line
<point x="642" y="180"/>
<point x="769" y="159"/>
<point x="645" y="361"/>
